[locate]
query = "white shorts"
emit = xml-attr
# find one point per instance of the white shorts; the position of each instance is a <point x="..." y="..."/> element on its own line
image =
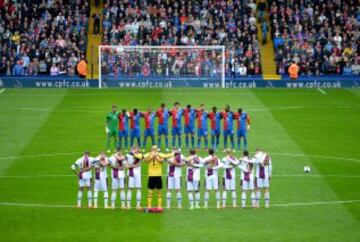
<point x="118" y="183"/>
<point x="85" y="182"/>
<point x="174" y="183"/>
<point x="192" y="185"/>
<point x="247" y="185"/>
<point x="101" y="185"/>
<point x="134" y="182"/>
<point x="229" y="184"/>
<point x="212" y="183"/>
<point x="262" y="183"/>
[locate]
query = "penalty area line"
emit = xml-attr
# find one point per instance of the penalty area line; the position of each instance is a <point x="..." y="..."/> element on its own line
<point x="2" y="90"/>
<point x="39" y="205"/>
<point x="322" y="91"/>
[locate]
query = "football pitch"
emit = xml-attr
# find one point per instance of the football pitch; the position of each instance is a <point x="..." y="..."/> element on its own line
<point x="43" y="131"/>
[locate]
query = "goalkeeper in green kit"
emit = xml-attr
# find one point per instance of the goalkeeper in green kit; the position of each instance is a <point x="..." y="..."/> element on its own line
<point x="111" y="127"/>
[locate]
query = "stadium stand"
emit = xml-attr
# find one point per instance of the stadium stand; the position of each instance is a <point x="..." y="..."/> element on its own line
<point x="42" y="37"/>
<point x="200" y="22"/>
<point x="322" y="37"/>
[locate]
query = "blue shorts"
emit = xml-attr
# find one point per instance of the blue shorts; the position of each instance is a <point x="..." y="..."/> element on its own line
<point x="149" y="132"/>
<point x="135" y="133"/>
<point x="162" y="129"/>
<point x="241" y="133"/>
<point x="215" y="132"/>
<point x="202" y="132"/>
<point x="189" y="129"/>
<point x="228" y="132"/>
<point x="123" y="133"/>
<point x="176" y="131"/>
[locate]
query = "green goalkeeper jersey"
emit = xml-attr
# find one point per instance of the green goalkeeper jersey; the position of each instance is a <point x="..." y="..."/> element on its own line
<point x="112" y="120"/>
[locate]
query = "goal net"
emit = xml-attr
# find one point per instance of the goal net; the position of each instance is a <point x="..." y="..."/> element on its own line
<point x="161" y="66"/>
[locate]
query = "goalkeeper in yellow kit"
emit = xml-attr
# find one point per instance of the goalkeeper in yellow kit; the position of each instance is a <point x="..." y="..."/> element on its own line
<point x="155" y="160"/>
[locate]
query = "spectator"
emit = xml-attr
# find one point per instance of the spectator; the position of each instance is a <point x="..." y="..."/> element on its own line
<point x="81" y="68"/>
<point x="242" y="70"/>
<point x="54" y="70"/>
<point x="293" y="71"/>
<point x="347" y="69"/>
<point x="18" y="69"/>
<point x="96" y="18"/>
<point x="264" y="30"/>
<point x="355" y="68"/>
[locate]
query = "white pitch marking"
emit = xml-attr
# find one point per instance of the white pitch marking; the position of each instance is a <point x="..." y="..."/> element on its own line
<point x="2" y="90"/>
<point x="272" y="205"/>
<point x="322" y="91"/>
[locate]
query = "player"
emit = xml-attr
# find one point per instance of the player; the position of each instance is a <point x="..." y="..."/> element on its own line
<point x="133" y="164"/>
<point x="215" y="118"/>
<point x="243" y="125"/>
<point x="263" y="174"/>
<point x="175" y="165"/>
<point x="111" y="127"/>
<point x="212" y="165"/>
<point x="134" y="117"/>
<point x="123" y="118"/>
<point x="194" y="163"/>
<point x="176" y="114"/>
<point x="155" y="160"/>
<point x="247" y="178"/>
<point x="228" y="117"/>
<point x="201" y="116"/>
<point x="101" y="179"/>
<point x="189" y="126"/>
<point x="149" y="118"/>
<point x="163" y="114"/>
<point x="118" y="165"/>
<point x="82" y="168"/>
<point x="229" y="163"/>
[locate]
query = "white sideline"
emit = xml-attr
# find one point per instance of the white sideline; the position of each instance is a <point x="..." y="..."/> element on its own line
<point x="271" y="205"/>
<point x="2" y="90"/>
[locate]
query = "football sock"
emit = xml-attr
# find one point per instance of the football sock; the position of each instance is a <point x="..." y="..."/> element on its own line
<point x="113" y="199"/>
<point x="90" y="197"/>
<point x="253" y="198"/>
<point x="243" y="199"/>
<point x="149" y="198"/>
<point x="128" y="198"/>
<point x="96" y="193"/>
<point x="122" y="198"/>
<point x="191" y="199"/>
<point x="233" y="196"/>
<point x="218" y="199"/>
<point x="267" y="198"/>
<point x="168" y="199"/>
<point x="106" y="199"/>
<point x="224" y="196"/>
<point x="206" y="198"/>
<point x="197" y="199"/>
<point x="179" y="198"/>
<point x="138" y="198"/>
<point x="159" y="197"/>
<point x="79" y="197"/>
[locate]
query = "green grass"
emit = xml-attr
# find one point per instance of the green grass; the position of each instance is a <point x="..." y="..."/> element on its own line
<point x="297" y="127"/>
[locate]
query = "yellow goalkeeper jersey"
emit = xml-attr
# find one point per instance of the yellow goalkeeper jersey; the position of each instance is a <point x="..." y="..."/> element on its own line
<point x="155" y="164"/>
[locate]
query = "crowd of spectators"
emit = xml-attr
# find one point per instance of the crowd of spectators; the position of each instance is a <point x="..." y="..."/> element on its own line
<point x="321" y="36"/>
<point x="189" y="23"/>
<point x="42" y="36"/>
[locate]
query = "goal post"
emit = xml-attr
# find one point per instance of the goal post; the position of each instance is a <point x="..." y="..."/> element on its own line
<point x="161" y="66"/>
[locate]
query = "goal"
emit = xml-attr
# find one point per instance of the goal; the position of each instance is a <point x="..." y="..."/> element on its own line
<point x="161" y="66"/>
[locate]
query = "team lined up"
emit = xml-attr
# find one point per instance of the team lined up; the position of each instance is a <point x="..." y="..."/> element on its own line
<point x="117" y="126"/>
<point x="255" y="175"/>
